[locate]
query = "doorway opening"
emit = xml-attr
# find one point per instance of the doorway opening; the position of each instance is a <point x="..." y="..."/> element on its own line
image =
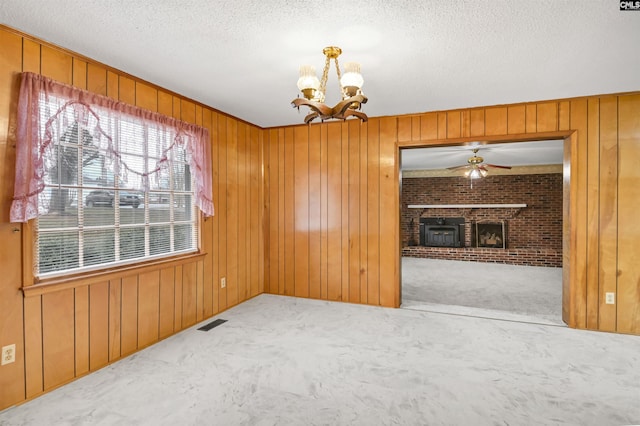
<point x="487" y="247"/>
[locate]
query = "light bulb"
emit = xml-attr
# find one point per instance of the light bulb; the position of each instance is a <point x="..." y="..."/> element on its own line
<point x="352" y="80"/>
<point x="308" y="82"/>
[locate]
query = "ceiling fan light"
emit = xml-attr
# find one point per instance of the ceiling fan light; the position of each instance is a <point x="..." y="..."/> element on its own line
<point x="475" y="173"/>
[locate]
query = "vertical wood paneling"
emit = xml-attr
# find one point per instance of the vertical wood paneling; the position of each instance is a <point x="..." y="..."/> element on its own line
<point x="167" y="303"/>
<point x="315" y="205"/>
<point x="232" y="212"/>
<point x="364" y="188"/>
<point x="112" y="84"/>
<point x="593" y="202"/>
<point x="32" y="355"/>
<point x="12" y="329"/>
<point x="215" y="220"/>
<point x="273" y="145"/>
<point x="404" y="128"/>
<point x="178" y="295"/>
<point x="129" y="314"/>
<point x="628" y="294"/>
<point x="301" y="210"/>
<point x="415" y="128"/>
<point x="324" y="212"/>
<point x="31" y="53"/>
<point x="516" y="117"/>
<point x="346" y="226"/>
<point x="221" y="209"/>
<point x="259" y="234"/>
<point x="564" y="109"/>
<point x="115" y="320"/>
<point x="547" y="117"/>
<point x="189" y="289"/>
<point x="442" y="125"/>
<point x="289" y="213"/>
<point x="373" y="212"/>
<point x="531" y="118"/>
<point x="187" y="111"/>
<point x="454" y="121"/>
<point x="199" y="290"/>
<point x="58" y="349"/>
<point x="206" y="241"/>
<point x="243" y="206"/>
<point x="477" y="122"/>
<point x="282" y="216"/>
<point x="429" y="126"/>
<point x="334" y="211"/>
<point x="244" y="235"/>
<point x="79" y="73"/>
<point x="127" y="90"/>
<point x="389" y="251"/>
<point x="56" y="64"/>
<point x="148" y="308"/>
<point x="81" y="320"/>
<point x="98" y="325"/>
<point x="97" y="79"/>
<point x="579" y="123"/>
<point x="607" y="214"/>
<point x="495" y="121"/>
<point x="146" y="96"/>
<point x="354" y="211"/>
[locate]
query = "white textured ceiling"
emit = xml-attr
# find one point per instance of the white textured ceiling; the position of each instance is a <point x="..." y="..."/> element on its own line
<point x="242" y="57"/>
<point x="502" y="154"/>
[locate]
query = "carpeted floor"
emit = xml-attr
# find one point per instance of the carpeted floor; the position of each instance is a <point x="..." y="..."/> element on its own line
<point x="490" y="290"/>
<point x="288" y="361"/>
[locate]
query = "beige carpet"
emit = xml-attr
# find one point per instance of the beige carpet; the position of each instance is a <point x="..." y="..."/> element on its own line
<point x="489" y="290"/>
<point x="287" y="361"/>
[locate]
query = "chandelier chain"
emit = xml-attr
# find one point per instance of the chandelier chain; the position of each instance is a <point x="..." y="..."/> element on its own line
<point x="325" y="77"/>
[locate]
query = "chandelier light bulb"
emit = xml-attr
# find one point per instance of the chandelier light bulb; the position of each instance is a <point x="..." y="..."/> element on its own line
<point x="352" y="76"/>
<point x="308" y="82"/>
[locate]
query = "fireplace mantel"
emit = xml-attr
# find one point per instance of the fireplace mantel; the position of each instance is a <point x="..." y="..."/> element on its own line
<point x="466" y="206"/>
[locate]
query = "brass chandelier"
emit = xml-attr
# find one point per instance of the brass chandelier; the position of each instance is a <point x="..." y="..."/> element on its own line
<point x="314" y="90"/>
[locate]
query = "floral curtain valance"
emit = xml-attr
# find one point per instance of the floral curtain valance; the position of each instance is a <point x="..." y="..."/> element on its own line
<point x="46" y="106"/>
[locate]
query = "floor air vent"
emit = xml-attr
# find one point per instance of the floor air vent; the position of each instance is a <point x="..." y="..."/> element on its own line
<point x="212" y="324"/>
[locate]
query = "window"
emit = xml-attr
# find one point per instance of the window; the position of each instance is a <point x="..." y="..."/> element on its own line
<point x="111" y="184"/>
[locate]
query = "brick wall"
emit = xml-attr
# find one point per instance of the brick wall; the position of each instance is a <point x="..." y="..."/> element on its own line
<point x="534" y="233"/>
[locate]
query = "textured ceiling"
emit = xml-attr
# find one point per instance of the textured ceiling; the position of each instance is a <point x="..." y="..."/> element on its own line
<point x="242" y="57"/>
<point x="502" y="154"/>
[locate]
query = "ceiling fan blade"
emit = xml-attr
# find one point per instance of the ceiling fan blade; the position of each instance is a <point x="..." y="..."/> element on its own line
<point x="466" y="166"/>
<point x="495" y="166"/>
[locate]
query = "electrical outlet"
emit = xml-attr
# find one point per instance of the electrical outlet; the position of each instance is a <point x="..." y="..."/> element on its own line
<point x="8" y="354"/>
<point x="223" y="282"/>
<point x="610" y="298"/>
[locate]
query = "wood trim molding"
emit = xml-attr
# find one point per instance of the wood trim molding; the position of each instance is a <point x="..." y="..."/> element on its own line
<point x="81" y="280"/>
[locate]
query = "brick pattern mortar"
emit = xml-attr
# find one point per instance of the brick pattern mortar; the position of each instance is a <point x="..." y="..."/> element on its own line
<point x="534" y="233"/>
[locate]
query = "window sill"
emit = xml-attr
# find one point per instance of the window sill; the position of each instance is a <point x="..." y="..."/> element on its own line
<point x="73" y="281"/>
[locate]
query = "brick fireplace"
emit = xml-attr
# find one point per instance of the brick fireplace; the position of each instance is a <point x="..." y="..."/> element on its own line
<point x="530" y="235"/>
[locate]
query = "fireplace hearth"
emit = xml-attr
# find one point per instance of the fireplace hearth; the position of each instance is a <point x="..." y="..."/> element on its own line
<point x="442" y="231"/>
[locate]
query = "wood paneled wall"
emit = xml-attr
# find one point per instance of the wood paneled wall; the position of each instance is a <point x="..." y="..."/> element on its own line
<point x="332" y="192"/>
<point x="329" y="191"/>
<point x="84" y="324"/>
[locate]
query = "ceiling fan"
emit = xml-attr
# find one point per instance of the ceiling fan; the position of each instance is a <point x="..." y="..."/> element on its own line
<point x="476" y="168"/>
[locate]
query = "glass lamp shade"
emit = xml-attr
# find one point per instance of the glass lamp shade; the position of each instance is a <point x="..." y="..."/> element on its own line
<point x="308" y="82"/>
<point x="476" y="173"/>
<point x="351" y="76"/>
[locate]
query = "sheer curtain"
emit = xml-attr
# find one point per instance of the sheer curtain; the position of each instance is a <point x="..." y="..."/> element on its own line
<point x="47" y="107"/>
